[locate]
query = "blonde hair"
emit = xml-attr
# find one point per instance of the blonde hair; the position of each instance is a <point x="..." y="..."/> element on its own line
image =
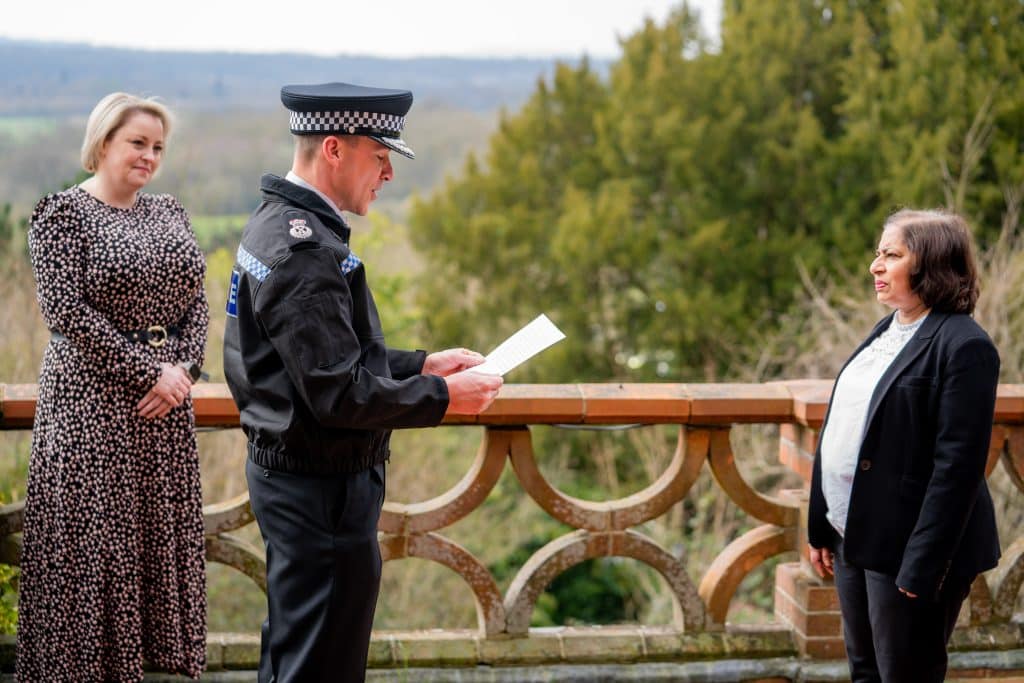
<point x="109" y="115"/>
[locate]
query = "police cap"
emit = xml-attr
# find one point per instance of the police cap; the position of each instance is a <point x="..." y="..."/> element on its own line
<point x="346" y="109"/>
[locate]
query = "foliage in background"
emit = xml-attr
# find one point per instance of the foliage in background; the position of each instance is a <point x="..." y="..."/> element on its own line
<point x="674" y="218"/>
<point x="658" y="216"/>
<point x="8" y="598"/>
<point x="699" y="213"/>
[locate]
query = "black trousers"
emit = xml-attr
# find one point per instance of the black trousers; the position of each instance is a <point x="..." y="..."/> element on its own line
<point x="889" y="636"/>
<point x="323" y="572"/>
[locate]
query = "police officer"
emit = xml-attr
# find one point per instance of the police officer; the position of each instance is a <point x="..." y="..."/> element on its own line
<point x="318" y="390"/>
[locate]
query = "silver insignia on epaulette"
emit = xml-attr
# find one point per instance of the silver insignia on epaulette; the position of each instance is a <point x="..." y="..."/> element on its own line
<point x="299" y="229"/>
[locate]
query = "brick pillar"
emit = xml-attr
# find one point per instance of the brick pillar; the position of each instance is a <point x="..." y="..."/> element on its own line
<point x="810" y="606"/>
<point x="805" y="602"/>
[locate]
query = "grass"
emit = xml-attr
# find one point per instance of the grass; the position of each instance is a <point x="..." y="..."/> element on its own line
<point x="214" y="232"/>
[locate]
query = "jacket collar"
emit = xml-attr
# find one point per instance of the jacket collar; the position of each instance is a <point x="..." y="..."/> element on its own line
<point x="913" y="348"/>
<point x="276" y="188"/>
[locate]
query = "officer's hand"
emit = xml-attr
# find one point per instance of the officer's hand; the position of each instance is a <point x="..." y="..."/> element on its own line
<point x="471" y="392"/>
<point x="821" y="559"/>
<point x="450" y="361"/>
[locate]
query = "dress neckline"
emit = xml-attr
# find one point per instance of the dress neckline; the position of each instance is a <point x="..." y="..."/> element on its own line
<point x="138" y="199"/>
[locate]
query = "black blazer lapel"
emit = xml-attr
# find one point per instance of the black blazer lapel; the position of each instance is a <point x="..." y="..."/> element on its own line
<point x="880" y="327"/>
<point x="918" y="343"/>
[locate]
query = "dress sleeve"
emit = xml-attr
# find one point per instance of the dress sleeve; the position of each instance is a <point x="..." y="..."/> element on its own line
<point x="196" y="320"/>
<point x="59" y="254"/>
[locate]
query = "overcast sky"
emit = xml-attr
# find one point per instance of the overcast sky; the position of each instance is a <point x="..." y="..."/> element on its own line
<point x="387" y="28"/>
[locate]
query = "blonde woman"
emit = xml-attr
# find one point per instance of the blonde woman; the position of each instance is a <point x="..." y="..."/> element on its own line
<point x="112" y="568"/>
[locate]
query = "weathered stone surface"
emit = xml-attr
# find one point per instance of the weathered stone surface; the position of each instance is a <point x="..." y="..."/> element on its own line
<point x="999" y="636"/>
<point x="490" y="609"/>
<point x="571" y="549"/>
<point x="239" y="554"/>
<point x="624" y="403"/>
<point x="796" y="448"/>
<point x="461" y="499"/>
<point x="382" y="651"/>
<point x="819" y="647"/>
<point x="736" y="561"/>
<point x="723" y="466"/>
<point x="12" y="518"/>
<point x="228" y="515"/>
<point x="7" y="646"/>
<point x="730" y="403"/>
<point x="806" y="607"/>
<point x="428" y="648"/>
<point x="539" y="648"/>
<point x="239" y="650"/>
<point x="609" y="644"/>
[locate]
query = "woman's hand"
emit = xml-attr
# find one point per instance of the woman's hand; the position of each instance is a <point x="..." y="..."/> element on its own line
<point x="907" y="593"/>
<point x="450" y="361"/>
<point x="821" y="559"/>
<point x="169" y="392"/>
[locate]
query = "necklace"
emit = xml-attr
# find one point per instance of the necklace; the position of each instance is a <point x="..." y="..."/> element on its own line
<point x="895" y="337"/>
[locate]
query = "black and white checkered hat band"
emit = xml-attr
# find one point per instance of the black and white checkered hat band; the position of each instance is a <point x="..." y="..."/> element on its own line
<point x="351" y="122"/>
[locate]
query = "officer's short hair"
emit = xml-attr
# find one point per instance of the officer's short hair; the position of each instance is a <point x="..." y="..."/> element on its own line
<point x="109" y="115"/>
<point x="308" y="146"/>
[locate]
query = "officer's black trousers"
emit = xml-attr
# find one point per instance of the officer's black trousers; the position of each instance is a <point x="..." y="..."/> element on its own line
<point x="323" y="572"/>
<point x="891" y="638"/>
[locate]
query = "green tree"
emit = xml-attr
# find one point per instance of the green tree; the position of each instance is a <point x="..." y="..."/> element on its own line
<point x="660" y="214"/>
<point x="13" y="247"/>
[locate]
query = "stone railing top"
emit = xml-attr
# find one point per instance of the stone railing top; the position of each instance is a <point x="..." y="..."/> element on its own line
<point x="799" y="401"/>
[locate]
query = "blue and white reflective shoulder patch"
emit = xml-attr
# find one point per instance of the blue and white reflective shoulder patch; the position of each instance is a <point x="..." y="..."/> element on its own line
<point x="350" y="263"/>
<point x="252" y="264"/>
<point x="232" y="306"/>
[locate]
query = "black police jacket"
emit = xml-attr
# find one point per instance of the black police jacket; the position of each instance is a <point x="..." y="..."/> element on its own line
<point x="304" y="356"/>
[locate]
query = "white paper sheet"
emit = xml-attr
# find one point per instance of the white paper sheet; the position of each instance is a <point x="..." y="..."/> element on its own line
<point x="536" y="336"/>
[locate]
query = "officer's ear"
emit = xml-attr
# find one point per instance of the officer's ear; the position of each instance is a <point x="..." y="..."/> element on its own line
<point x="332" y="149"/>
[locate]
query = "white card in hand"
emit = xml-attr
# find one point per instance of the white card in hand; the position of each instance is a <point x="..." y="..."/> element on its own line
<point x="524" y="344"/>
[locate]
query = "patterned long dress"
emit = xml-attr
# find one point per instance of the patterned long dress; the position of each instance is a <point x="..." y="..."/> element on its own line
<point x="112" y="568"/>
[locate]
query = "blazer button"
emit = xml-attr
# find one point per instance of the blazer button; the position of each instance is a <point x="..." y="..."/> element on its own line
<point x="865" y="465"/>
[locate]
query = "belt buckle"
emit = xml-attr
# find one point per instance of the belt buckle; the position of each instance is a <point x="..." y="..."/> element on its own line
<point x="157" y="336"/>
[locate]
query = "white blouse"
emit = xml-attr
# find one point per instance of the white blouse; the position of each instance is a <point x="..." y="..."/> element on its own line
<point x="844" y="433"/>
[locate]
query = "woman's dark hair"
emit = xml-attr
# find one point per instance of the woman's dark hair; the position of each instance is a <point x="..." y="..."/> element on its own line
<point x="945" y="273"/>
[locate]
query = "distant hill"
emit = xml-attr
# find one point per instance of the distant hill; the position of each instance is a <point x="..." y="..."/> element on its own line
<point x="55" y="79"/>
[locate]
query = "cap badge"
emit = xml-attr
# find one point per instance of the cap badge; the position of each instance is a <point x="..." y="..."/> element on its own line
<point x="299" y="229"/>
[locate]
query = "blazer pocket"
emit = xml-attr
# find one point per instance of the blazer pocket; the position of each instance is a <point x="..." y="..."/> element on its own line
<point x="912" y="489"/>
<point x="917" y="381"/>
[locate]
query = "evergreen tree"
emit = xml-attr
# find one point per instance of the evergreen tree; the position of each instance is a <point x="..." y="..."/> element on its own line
<point x="659" y="214"/>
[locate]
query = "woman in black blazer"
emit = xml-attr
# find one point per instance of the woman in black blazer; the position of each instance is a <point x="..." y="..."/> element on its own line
<point x="899" y="508"/>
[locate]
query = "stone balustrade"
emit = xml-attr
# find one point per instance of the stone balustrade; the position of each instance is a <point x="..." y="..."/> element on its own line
<point x="806" y="626"/>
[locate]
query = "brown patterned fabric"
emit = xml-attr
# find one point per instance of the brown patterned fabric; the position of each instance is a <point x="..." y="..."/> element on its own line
<point x="112" y="570"/>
